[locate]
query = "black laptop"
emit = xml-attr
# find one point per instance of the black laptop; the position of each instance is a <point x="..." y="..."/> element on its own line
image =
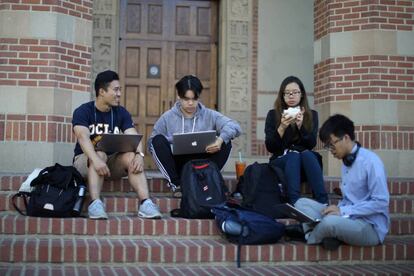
<point x="118" y="142"/>
<point x="291" y="212"/>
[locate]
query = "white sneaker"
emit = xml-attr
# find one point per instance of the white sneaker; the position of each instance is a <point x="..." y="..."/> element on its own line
<point x="149" y="209"/>
<point x="96" y="210"/>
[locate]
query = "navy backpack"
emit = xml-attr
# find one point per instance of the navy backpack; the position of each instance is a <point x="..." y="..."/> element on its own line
<point x="242" y="226"/>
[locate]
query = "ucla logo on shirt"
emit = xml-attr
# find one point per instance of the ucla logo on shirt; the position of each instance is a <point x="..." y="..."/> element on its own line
<point x="99" y="129"/>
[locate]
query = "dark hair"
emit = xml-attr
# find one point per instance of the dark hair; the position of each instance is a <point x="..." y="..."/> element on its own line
<point x="189" y="82"/>
<point x="281" y="105"/>
<point x="338" y="125"/>
<point x="103" y="80"/>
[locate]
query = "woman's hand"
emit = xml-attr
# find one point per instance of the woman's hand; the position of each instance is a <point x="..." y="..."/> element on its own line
<point x="286" y="120"/>
<point x="299" y="117"/>
<point x="215" y="147"/>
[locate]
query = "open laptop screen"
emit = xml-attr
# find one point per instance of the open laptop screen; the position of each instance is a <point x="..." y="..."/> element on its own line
<point x="118" y="142"/>
<point x="192" y="142"/>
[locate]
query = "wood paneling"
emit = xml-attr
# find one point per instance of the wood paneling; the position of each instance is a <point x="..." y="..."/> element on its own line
<point x="160" y="42"/>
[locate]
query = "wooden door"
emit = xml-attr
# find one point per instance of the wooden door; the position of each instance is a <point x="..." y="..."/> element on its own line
<point x="160" y="42"/>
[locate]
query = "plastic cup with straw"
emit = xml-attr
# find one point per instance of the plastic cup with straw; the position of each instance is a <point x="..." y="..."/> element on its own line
<point x="240" y="166"/>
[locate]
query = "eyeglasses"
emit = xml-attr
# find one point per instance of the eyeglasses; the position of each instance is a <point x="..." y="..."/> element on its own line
<point x="291" y="93"/>
<point x="331" y="145"/>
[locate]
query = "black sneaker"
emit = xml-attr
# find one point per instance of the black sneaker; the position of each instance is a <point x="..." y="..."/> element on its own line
<point x="330" y="244"/>
<point x="295" y="232"/>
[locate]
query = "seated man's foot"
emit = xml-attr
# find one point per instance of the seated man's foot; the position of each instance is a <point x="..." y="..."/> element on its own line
<point x="149" y="209"/>
<point x="330" y="244"/>
<point x="96" y="210"/>
<point x="177" y="192"/>
<point x="295" y="232"/>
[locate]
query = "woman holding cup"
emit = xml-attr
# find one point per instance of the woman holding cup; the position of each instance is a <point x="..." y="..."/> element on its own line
<point x="291" y="131"/>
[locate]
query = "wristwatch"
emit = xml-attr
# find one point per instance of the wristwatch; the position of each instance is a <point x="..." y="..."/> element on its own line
<point x="140" y="153"/>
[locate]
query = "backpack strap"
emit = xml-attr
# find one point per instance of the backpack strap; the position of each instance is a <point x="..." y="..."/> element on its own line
<point x="282" y="180"/>
<point x="24" y="196"/>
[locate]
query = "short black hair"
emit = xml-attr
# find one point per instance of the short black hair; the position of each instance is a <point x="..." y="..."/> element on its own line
<point x="189" y="82"/>
<point x="103" y="80"/>
<point x="338" y="125"/>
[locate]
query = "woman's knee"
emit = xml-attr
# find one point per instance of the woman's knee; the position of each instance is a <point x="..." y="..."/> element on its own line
<point x="308" y="156"/>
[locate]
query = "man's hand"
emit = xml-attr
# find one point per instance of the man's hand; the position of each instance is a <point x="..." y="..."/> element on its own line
<point x="100" y="167"/>
<point x="137" y="164"/>
<point x="215" y="147"/>
<point x="331" y="210"/>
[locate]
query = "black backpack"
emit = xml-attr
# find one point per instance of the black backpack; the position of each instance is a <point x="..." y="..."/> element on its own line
<point x="242" y="226"/>
<point x="263" y="187"/>
<point x="202" y="187"/>
<point x="56" y="191"/>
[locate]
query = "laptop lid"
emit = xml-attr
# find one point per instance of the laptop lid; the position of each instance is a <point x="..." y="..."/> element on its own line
<point x="192" y="142"/>
<point x="118" y="142"/>
<point x="291" y="212"/>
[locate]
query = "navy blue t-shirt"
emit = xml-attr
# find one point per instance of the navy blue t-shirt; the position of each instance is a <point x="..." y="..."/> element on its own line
<point x="117" y="120"/>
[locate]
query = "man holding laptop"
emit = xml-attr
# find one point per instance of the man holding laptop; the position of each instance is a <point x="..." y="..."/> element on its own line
<point x="361" y="216"/>
<point x="98" y="120"/>
<point x="207" y="132"/>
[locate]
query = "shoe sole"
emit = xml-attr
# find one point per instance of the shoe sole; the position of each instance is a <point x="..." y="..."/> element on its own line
<point x="141" y="215"/>
<point x="98" y="217"/>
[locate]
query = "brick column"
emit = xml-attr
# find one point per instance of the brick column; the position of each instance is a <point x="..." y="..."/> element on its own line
<point x="45" y="64"/>
<point x="364" y="68"/>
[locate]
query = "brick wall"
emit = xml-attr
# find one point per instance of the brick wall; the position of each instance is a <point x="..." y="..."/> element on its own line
<point x="36" y="128"/>
<point x="363" y="78"/>
<point x="341" y="16"/>
<point x="46" y="63"/>
<point x="358" y="78"/>
<point x="77" y="8"/>
<point x="57" y="62"/>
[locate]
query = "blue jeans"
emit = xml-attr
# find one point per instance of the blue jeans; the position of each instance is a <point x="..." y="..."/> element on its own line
<point x="293" y="164"/>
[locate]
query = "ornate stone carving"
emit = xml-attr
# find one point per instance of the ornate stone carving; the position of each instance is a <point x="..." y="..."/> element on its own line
<point x="105" y="36"/>
<point x="238" y="53"/>
<point x="239" y="29"/>
<point x="237" y="67"/>
<point x="240" y="9"/>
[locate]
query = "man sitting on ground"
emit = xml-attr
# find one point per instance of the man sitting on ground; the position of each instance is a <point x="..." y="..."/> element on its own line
<point x="362" y="216"/>
<point x="105" y="115"/>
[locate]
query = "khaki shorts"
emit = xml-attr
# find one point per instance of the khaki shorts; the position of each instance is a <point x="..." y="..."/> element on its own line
<point x="80" y="162"/>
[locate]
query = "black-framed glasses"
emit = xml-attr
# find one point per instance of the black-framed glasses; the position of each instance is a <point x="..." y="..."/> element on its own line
<point x="288" y="93"/>
<point x="331" y="145"/>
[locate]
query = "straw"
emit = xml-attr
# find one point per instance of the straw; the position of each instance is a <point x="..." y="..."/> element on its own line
<point x="240" y="158"/>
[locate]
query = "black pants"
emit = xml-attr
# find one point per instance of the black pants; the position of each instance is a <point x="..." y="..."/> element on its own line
<point x="171" y="165"/>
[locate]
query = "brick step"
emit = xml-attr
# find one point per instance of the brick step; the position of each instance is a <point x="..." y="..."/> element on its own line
<point x="128" y="202"/>
<point x="124" y="225"/>
<point x="397" y="186"/>
<point x="246" y="269"/>
<point x="169" y="250"/>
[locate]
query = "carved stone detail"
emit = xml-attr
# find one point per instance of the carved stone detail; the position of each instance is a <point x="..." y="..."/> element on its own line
<point x="240" y="9"/>
<point x="237" y="67"/>
<point x="105" y="36"/>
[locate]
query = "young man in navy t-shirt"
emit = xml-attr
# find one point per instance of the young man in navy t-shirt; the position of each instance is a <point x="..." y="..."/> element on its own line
<point x="105" y="115"/>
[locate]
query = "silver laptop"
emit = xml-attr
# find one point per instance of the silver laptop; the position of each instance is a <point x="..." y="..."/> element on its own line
<point x="119" y="142"/>
<point x="192" y="142"/>
<point x="291" y="212"/>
